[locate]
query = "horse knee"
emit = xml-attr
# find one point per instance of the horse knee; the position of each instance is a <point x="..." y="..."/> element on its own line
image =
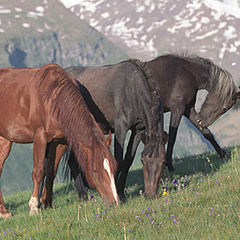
<point x="37" y="175"/>
<point x="206" y="133"/>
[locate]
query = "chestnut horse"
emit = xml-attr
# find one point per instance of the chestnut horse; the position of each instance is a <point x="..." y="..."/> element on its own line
<point x="41" y="105"/>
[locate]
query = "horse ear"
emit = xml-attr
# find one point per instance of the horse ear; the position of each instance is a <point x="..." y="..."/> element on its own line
<point x="108" y="140"/>
<point x="85" y="147"/>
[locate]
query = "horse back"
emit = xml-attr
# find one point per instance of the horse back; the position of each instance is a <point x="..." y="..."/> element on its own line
<point x="22" y="104"/>
<point x="113" y="89"/>
<point x="176" y="82"/>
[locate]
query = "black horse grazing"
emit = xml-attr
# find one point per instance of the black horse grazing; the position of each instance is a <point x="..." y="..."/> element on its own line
<point x="178" y="80"/>
<point x="121" y="97"/>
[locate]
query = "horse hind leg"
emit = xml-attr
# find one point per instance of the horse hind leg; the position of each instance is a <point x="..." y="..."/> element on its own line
<point x="39" y="149"/>
<point x="5" y="147"/>
<point x="78" y="176"/>
<point x="127" y="162"/>
<point x="55" y="154"/>
<point x="173" y="128"/>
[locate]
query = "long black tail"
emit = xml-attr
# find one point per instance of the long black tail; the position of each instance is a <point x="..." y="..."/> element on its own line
<point x="71" y="171"/>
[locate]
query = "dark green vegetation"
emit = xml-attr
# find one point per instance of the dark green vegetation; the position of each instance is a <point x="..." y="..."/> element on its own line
<point x="201" y="200"/>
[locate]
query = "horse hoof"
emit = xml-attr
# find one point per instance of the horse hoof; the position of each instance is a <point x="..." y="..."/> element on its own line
<point x="170" y="167"/>
<point x="150" y="196"/>
<point x="223" y="155"/>
<point x="33" y="211"/>
<point x="5" y="215"/>
<point x="122" y="197"/>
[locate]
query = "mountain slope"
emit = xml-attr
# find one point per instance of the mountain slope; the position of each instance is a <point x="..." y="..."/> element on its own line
<point x="147" y="28"/>
<point x="33" y="33"/>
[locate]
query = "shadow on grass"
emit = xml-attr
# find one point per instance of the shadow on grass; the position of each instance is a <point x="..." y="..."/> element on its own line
<point x="206" y="163"/>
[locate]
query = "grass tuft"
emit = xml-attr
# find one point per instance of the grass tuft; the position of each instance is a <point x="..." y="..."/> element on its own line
<point x="200" y="200"/>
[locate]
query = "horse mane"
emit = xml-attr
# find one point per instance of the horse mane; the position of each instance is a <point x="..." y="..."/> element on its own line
<point x="74" y="118"/>
<point x="155" y="133"/>
<point x="220" y="80"/>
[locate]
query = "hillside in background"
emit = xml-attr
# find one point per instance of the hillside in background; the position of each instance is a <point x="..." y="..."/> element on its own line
<point x="149" y="28"/>
<point x="33" y="33"/>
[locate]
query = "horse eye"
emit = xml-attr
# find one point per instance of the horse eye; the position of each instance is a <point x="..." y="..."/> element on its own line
<point x="224" y="109"/>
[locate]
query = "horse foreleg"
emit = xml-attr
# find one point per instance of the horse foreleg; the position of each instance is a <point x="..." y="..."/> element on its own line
<point x="48" y="169"/>
<point x="128" y="160"/>
<point x="5" y="147"/>
<point x="39" y="149"/>
<point x="173" y="127"/>
<point x="205" y="132"/>
<point x="55" y="154"/>
<point x="119" y="137"/>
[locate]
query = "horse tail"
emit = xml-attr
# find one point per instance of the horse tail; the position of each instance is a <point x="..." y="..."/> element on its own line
<point x="72" y="171"/>
<point x="65" y="166"/>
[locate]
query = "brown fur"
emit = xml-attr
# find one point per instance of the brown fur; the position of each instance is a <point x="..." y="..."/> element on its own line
<point x="47" y="106"/>
<point x="73" y="115"/>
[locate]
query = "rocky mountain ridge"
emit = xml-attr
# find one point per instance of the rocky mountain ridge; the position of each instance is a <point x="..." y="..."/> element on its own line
<point x="147" y="28"/>
<point x="33" y="33"/>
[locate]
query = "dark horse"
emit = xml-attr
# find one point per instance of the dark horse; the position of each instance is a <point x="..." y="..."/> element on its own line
<point x="177" y="80"/>
<point x="41" y="105"/>
<point x="122" y="98"/>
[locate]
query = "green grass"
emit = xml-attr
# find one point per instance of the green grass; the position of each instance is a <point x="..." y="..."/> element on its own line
<point x="201" y="201"/>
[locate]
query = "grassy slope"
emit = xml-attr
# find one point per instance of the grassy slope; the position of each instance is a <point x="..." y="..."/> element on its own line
<point x="202" y="202"/>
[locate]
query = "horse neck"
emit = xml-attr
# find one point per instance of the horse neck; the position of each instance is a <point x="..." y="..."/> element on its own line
<point x="154" y="112"/>
<point x="203" y="83"/>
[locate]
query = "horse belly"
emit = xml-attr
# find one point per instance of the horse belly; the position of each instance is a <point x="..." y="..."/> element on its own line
<point x="16" y="132"/>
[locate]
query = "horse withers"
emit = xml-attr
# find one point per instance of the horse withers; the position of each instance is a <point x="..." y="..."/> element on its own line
<point x="48" y="106"/>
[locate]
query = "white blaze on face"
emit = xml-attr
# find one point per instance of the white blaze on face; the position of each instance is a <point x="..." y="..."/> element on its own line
<point x="113" y="186"/>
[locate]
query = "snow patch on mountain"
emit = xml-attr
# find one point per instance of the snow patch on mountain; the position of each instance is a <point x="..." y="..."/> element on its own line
<point x="146" y="28"/>
<point x="231" y="7"/>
